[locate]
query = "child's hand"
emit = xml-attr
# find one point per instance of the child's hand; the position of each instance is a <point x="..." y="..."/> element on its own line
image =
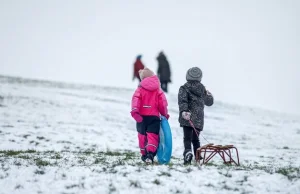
<point x="208" y="93"/>
<point x="136" y="115"/>
<point x="186" y="115"/>
<point x="167" y="116"/>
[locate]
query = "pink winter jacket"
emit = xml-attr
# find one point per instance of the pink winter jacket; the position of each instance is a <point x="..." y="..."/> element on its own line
<point x="148" y="99"/>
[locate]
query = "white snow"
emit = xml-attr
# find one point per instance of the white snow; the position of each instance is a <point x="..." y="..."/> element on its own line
<point x="67" y="119"/>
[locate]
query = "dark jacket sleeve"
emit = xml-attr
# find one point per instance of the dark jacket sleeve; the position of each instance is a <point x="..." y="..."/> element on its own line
<point x="208" y="100"/>
<point x="183" y="100"/>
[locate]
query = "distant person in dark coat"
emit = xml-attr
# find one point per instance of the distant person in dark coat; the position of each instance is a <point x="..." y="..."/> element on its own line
<point x="163" y="71"/>
<point x="138" y="65"/>
<point x="192" y="97"/>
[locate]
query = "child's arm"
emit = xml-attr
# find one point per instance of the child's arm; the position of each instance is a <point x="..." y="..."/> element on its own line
<point x="208" y="98"/>
<point x="135" y="105"/>
<point x="183" y="100"/>
<point x="163" y="104"/>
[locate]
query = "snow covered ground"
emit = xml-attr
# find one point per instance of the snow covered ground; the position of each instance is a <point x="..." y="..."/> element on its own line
<point x="71" y="138"/>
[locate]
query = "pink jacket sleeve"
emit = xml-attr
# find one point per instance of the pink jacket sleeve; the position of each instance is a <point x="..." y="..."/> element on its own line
<point x="162" y="104"/>
<point x="136" y="101"/>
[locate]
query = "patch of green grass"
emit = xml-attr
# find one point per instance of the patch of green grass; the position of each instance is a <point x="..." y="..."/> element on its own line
<point x="226" y="187"/>
<point x="40" y="137"/>
<point x="283" y="171"/>
<point x="113" y="153"/>
<point x="15" y="152"/>
<point x="25" y="136"/>
<point x="7" y="126"/>
<point x="40" y="172"/>
<point x="100" y="160"/>
<point x="40" y="162"/>
<point x="10" y="152"/>
<point x="212" y="164"/>
<point x="118" y="162"/>
<point x="49" y="152"/>
<point x="129" y="155"/>
<point x="156" y="181"/>
<point x="170" y="164"/>
<point x="112" y="188"/>
<point x="135" y="184"/>
<point x="178" y="191"/>
<point x="54" y="155"/>
<point x="25" y="157"/>
<point x="112" y="170"/>
<point x="17" y="163"/>
<point x="63" y="141"/>
<point x="289" y="172"/>
<point x="189" y="169"/>
<point x="57" y="156"/>
<point x="89" y="151"/>
<point x="18" y="186"/>
<point x="81" y="159"/>
<point x="164" y="174"/>
<point x="209" y="185"/>
<point x="71" y="186"/>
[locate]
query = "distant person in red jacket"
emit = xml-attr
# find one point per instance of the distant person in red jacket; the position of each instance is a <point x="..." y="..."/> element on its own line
<point x="138" y="65"/>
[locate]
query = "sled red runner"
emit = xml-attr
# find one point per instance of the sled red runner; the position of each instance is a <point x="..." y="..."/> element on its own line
<point x="208" y="151"/>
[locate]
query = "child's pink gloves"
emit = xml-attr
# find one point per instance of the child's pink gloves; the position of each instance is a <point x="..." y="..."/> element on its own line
<point x="136" y="115"/>
<point x="167" y="116"/>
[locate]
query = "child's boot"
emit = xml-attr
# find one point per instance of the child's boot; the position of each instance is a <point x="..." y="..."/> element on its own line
<point x="144" y="157"/>
<point x="149" y="158"/>
<point x="188" y="156"/>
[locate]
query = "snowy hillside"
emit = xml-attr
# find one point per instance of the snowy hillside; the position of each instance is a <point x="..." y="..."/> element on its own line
<point x="70" y="138"/>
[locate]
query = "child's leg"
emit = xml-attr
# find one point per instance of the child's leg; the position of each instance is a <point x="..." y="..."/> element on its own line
<point x="142" y="143"/>
<point x="152" y="132"/>
<point x="142" y="138"/>
<point x="187" y="138"/>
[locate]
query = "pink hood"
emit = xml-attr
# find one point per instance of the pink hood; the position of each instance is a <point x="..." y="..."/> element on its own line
<point x="150" y="83"/>
<point x="149" y="99"/>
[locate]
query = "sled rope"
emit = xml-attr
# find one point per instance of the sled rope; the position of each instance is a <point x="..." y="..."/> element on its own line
<point x="197" y="132"/>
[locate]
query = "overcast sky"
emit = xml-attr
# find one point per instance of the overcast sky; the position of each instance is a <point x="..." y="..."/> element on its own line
<point x="249" y="51"/>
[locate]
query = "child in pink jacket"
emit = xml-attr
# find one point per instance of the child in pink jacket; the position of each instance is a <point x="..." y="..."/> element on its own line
<point x="148" y="103"/>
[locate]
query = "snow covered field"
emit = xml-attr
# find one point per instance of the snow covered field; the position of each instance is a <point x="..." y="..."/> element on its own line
<point x="70" y="138"/>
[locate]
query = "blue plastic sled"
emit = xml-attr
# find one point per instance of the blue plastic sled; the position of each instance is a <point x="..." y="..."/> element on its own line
<point x="164" y="151"/>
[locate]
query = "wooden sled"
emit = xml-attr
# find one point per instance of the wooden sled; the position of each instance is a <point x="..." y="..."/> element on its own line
<point x="208" y="151"/>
